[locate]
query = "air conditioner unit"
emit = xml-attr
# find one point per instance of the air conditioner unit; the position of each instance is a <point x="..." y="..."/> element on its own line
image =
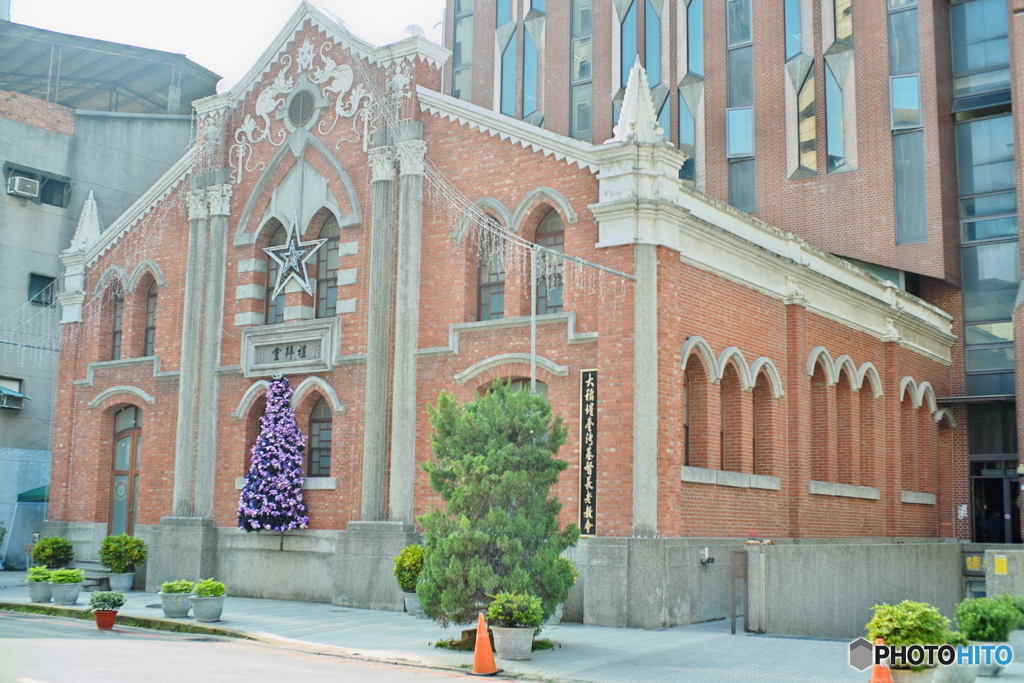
<point x="21" y="186"/>
<point x="13" y="402"/>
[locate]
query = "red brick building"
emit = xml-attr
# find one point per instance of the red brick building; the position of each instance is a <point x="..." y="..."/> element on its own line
<point x="745" y="379"/>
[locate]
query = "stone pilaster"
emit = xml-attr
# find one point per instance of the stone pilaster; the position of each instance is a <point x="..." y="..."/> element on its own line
<point x="188" y="383"/>
<point x="219" y="203"/>
<point x="380" y="310"/>
<point x="645" y="391"/>
<point x="407" y="304"/>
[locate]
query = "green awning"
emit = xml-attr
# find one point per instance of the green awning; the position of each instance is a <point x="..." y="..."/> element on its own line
<point x="12" y="392"/>
<point x="39" y="495"/>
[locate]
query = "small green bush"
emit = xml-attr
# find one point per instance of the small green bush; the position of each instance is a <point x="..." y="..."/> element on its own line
<point x="67" y="576"/>
<point x="122" y="551"/>
<point x="38" y="575"/>
<point x="908" y="623"/>
<point x="106" y="600"/>
<point x="181" y="586"/>
<point x="208" y="588"/>
<point x="955" y="638"/>
<point x="986" y="620"/>
<point x="1017" y="602"/>
<point x="53" y="551"/>
<point x="408" y="565"/>
<point x="515" y="609"/>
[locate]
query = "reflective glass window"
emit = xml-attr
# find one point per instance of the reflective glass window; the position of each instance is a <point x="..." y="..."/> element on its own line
<point x="1004" y="202"/>
<point x="741" y="185"/>
<point x="652" y="45"/>
<point x="990" y="276"/>
<point x="508" y="78"/>
<point x="582" y="59"/>
<point x="581" y="111"/>
<point x="908" y="171"/>
<point x="985" y="155"/>
<point x="582" y="17"/>
<point x="529" y="75"/>
<point x="687" y="140"/>
<point x="834" y="121"/>
<point x="844" y="20"/>
<point x="905" y="96"/>
<point x="794" y="30"/>
<point x="740" y="132"/>
<point x="695" y="37"/>
<point x="741" y="76"/>
<point x="981" y="49"/>
<point x="503" y="13"/>
<point x="988" y="333"/>
<point x="993" y="228"/>
<point x="739" y="22"/>
<point x="904" y="46"/>
<point x="807" y="124"/>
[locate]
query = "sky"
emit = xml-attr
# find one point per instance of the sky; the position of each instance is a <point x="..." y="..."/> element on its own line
<point x="225" y="36"/>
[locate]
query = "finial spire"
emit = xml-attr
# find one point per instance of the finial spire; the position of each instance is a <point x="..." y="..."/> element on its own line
<point x="638" y="121"/>
<point x="89" y="226"/>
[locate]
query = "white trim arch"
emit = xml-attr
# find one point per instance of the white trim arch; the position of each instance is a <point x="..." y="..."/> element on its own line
<point x="771" y="372"/>
<point x="320" y="385"/>
<point x="249" y="397"/>
<point x="844" y="362"/>
<point x="123" y="389"/>
<point x="108" y="274"/>
<point x="947" y="414"/>
<point x="925" y="391"/>
<point x="701" y="347"/>
<point x="485" y="205"/>
<point x="918" y="393"/>
<point x="909" y="387"/>
<point x="140" y="270"/>
<point x="510" y="359"/>
<point x="733" y="355"/>
<point x="869" y="371"/>
<point x="553" y="197"/>
<point x="827" y="364"/>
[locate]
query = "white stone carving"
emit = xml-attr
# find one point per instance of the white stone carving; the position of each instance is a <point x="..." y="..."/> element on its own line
<point x="382" y="163"/>
<point x="891" y="334"/>
<point x="411" y="155"/>
<point x="219" y="200"/>
<point x="89" y="225"/>
<point x="197" y="209"/>
<point x="306" y="54"/>
<point x="638" y="122"/>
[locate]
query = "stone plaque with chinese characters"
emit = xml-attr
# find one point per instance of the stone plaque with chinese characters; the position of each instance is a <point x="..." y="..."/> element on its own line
<point x="287" y="352"/>
<point x="588" y="452"/>
<point x="295" y="347"/>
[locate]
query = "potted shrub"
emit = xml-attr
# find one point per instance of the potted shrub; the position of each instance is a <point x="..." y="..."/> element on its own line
<point x="408" y="565"/>
<point x="514" y="618"/>
<point x="909" y="623"/>
<point x="174" y="598"/>
<point x="1017" y="634"/>
<point x="38" y="583"/>
<point x="984" y="620"/>
<point x="207" y="600"/>
<point x="65" y="585"/>
<point x="104" y="604"/>
<point x="53" y="552"/>
<point x="121" y="554"/>
<point x="565" y="565"/>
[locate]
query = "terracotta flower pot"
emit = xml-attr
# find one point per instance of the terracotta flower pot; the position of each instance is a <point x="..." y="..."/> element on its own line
<point x="105" y="619"/>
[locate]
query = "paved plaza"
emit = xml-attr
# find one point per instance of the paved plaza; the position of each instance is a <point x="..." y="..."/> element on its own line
<point x="699" y="652"/>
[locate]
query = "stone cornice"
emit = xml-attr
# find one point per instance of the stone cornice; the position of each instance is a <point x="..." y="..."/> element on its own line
<point x="523" y="134"/>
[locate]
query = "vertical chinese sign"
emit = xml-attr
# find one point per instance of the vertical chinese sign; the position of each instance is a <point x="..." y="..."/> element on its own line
<point x="588" y="452"/>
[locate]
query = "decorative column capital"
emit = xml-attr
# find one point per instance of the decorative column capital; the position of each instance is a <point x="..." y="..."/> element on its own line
<point x="218" y="198"/>
<point x="197" y="209"/>
<point x="411" y="156"/>
<point x="382" y="163"/>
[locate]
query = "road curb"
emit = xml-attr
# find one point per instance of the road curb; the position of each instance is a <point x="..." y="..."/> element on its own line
<point x="74" y="612"/>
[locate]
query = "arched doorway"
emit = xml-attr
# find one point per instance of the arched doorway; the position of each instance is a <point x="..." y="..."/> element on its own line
<point x="127" y="459"/>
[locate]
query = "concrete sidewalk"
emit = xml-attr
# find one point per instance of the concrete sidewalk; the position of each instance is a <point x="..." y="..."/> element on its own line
<point x="700" y="652"/>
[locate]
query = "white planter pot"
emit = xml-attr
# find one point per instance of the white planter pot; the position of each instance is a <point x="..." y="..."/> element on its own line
<point x="65" y="593"/>
<point x="989" y="669"/>
<point x="556" y="617"/>
<point x="175" y="605"/>
<point x="956" y="673"/>
<point x="513" y="643"/>
<point x="39" y="591"/>
<point x="207" y="609"/>
<point x="122" y="582"/>
<point x="413" y="605"/>
<point x="908" y="676"/>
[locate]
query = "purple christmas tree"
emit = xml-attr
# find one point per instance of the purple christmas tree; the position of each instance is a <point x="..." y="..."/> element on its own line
<point x="272" y="497"/>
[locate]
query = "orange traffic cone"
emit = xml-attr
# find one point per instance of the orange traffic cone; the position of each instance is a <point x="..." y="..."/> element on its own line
<point x="483" y="658"/>
<point x="880" y="672"/>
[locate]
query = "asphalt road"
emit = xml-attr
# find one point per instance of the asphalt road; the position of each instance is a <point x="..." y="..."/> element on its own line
<point x="43" y="649"/>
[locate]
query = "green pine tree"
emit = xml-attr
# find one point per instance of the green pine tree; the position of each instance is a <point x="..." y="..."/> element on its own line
<point x="494" y="468"/>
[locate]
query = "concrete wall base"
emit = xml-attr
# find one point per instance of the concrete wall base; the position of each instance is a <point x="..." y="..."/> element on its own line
<point x="365" y="564"/>
<point x="179" y="548"/>
<point x="84" y="536"/>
